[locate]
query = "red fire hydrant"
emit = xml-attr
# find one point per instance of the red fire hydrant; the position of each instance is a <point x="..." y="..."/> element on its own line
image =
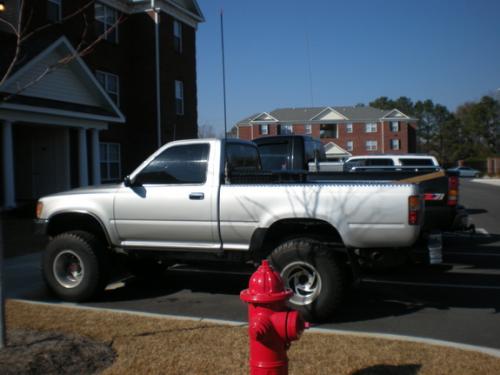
<point x="271" y="325"/>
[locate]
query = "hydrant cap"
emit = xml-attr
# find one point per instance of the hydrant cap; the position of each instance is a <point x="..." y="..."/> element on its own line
<point x="265" y="286"/>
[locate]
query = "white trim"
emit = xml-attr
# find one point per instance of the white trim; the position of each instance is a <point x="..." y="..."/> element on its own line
<point x="49" y="119"/>
<point x="58" y="112"/>
<point x="83" y="173"/>
<point x="343" y="118"/>
<point x="167" y="6"/>
<point x="388" y="116"/>
<point x="96" y="157"/>
<point x="273" y="119"/>
<point x="63" y="42"/>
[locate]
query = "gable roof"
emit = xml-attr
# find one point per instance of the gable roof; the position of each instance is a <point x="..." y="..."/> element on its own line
<point x="333" y="149"/>
<point x="71" y="88"/>
<point x="395" y="114"/>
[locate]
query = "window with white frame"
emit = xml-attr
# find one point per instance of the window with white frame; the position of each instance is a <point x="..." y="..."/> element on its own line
<point x="395" y="144"/>
<point x="394" y="126"/>
<point x="54" y="12"/>
<point x="371" y="145"/>
<point x="308" y="129"/>
<point x="370" y="127"/>
<point x="179" y="97"/>
<point x="285" y="129"/>
<point x="264" y="129"/>
<point x="348" y="128"/>
<point x="110" y="161"/>
<point x="110" y="83"/>
<point x="106" y="19"/>
<point x="349" y="145"/>
<point x="177" y="36"/>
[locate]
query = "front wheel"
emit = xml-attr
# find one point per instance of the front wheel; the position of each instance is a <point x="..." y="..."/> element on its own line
<point x="74" y="266"/>
<point x="313" y="273"/>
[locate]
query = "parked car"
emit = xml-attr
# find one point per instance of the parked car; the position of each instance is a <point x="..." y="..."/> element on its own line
<point x="367" y="162"/>
<point x="465" y="171"/>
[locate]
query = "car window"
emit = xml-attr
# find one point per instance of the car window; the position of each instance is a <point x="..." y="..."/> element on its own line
<point x="183" y="164"/>
<point x="379" y="162"/>
<point x="416" y="161"/>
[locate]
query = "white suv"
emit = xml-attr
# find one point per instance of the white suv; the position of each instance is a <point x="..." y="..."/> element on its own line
<point x="354" y="162"/>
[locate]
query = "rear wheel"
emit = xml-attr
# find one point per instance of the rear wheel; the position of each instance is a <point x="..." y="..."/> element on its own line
<point x="313" y="273"/>
<point x="74" y="266"/>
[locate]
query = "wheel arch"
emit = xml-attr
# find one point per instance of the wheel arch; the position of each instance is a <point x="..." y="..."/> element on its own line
<point x="72" y="221"/>
<point x="264" y="240"/>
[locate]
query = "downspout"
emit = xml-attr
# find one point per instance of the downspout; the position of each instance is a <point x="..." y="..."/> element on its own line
<point x="157" y="71"/>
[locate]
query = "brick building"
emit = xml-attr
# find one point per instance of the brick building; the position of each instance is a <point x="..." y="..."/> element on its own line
<point x="357" y="130"/>
<point x="97" y="117"/>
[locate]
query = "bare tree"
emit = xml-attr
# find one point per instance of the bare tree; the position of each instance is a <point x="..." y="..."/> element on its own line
<point x="207" y="131"/>
<point x="20" y="27"/>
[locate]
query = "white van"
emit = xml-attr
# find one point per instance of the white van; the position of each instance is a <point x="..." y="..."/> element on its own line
<point x="363" y="161"/>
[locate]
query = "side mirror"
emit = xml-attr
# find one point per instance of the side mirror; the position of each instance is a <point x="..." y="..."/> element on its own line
<point x="127" y="181"/>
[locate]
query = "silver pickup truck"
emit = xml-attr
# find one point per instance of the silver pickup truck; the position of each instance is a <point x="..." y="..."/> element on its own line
<point x="207" y="202"/>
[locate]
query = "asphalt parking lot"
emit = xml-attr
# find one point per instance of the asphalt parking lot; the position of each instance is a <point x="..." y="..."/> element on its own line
<point x="458" y="301"/>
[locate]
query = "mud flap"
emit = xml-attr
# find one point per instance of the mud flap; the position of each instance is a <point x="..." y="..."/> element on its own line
<point x="435" y="247"/>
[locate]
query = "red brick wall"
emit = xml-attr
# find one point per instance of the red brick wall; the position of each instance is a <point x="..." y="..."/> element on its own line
<point x="406" y="135"/>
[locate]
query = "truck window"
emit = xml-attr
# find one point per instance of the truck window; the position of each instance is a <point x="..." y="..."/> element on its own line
<point x="183" y="164"/>
<point x="243" y="158"/>
<point x="274" y="156"/>
<point x="415" y="162"/>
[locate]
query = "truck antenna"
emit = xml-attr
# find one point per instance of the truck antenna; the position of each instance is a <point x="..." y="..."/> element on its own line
<point x="223" y="71"/>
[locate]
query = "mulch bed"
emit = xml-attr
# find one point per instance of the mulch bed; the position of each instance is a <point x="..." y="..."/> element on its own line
<point x="34" y="352"/>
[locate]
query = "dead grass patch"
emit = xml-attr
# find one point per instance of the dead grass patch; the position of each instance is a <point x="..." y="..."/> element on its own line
<point x="146" y="345"/>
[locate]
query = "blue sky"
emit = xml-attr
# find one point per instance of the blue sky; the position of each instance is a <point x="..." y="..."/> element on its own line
<point x="347" y="52"/>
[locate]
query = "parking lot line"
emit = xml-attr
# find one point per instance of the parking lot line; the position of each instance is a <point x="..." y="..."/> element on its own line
<point x="410" y="283"/>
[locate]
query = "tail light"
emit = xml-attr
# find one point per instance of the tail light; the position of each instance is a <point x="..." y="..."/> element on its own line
<point x="453" y="190"/>
<point x="414" y="209"/>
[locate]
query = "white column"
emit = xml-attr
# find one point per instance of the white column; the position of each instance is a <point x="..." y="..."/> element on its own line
<point x="9" y="197"/>
<point x="96" y="158"/>
<point x="83" y="179"/>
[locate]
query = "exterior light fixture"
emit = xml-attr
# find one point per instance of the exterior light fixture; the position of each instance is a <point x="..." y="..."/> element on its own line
<point x="2" y="6"/>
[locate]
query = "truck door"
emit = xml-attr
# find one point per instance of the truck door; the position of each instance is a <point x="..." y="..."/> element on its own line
<point x="171" y="203"/>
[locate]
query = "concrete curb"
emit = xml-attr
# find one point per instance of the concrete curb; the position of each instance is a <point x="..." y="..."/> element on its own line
<point x="421" y="340"/>
<point x="489" y="181"/>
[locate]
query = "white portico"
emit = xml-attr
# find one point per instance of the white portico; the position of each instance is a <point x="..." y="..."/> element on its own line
<point x="50" y="124"/>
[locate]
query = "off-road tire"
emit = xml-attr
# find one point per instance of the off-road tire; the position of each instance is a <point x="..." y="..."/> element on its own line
<point x="87" y="251"/>
<point x="320" y="260"/>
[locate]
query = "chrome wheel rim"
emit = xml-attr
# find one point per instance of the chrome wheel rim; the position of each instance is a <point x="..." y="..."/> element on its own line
<point x="303" y="280"/>
<point x="68" y="269"/>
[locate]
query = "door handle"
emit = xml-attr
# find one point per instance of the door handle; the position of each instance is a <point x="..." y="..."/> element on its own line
<point x="197" y="196"/>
